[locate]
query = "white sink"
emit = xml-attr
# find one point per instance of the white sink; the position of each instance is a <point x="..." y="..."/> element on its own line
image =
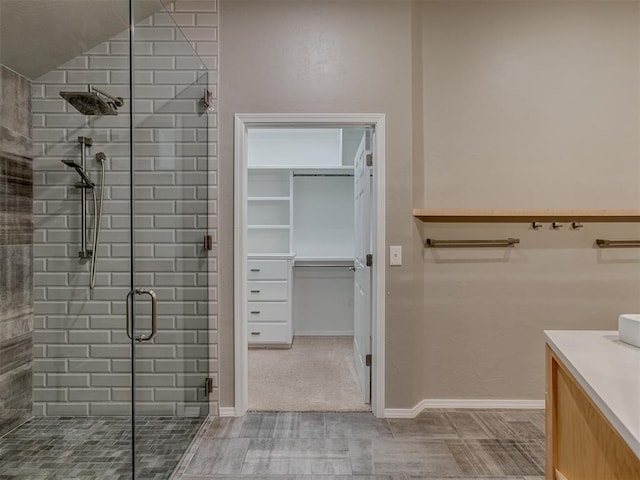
<point x="629" y="328"/>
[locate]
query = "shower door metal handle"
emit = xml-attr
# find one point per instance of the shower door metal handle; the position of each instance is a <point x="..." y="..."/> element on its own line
<point x="154" y="314"/>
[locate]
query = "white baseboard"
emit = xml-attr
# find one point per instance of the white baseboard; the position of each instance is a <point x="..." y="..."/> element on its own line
<point x="461" y="403"/>
<point x="227" y="411"/>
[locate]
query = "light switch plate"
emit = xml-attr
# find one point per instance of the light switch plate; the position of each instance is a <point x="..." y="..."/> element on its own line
<point x="395" y="255"/>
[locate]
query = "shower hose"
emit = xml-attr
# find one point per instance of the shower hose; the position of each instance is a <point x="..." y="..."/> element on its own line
<point x="97" y="215"/>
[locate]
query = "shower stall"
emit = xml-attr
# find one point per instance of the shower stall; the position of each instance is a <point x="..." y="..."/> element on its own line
<point x="106" y="326"/>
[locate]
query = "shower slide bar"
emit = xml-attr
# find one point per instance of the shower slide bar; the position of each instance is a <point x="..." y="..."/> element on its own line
<point x="617" y="243"/>
<point x="507" y="242"/>
<point x="85" y="142"/>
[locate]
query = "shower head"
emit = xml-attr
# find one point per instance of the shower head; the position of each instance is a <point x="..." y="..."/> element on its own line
<point x="81" y="172"/>
<point x="93" y="102"/>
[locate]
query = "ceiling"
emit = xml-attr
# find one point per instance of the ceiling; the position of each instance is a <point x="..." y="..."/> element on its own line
<point x="37" y="36"/>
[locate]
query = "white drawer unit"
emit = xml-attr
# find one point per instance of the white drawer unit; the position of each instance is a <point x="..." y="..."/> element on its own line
<point x="269" y="307"/>
<point x="268" y="270"/>
<point x="268" y="311"/>
<point x="272" y="291"/>
<point x="269" y="333"/>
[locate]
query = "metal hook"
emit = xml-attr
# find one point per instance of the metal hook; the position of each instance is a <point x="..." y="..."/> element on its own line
<point x="536" y="225"/>
<point x="576" y="225"/>
<point x="556" y="225"/>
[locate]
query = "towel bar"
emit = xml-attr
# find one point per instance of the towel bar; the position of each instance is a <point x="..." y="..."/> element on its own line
<point x="507" y="242"/>
<point x="617" y="243"/>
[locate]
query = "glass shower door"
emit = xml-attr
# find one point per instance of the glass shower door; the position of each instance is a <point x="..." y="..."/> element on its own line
<point x="169" y="323"/>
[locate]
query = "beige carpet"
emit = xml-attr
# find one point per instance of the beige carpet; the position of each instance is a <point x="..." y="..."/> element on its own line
<point x="316" y="374"/>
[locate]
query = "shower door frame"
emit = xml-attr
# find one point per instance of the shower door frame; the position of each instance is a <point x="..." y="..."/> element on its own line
<point x="132" y="257"/>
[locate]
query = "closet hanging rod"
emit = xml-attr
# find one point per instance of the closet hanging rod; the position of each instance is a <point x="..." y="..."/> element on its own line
<point x="323" y="175"/>
<point x="617" y="243"/>
<point x="332" y="265"/>
<point x="507" y="242"/>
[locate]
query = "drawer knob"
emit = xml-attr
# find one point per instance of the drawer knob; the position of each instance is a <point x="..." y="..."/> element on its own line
<point x="255" y="291"/>
<point x="255" y="333"/>
<point x="255" y="269"/>
<point x="255" y="312"/>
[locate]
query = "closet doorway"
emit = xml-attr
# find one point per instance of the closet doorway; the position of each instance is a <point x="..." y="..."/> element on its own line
<point x="309" y="263"/>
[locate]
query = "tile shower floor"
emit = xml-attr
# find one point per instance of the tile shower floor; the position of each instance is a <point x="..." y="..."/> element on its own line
<point x="438" y="444"/>
<point x="94" y="448"/>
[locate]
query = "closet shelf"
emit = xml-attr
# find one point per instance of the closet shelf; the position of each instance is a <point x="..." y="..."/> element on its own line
<point x="270" y="256"/>
<point x="268" y="227"/>
<point x="268" y="199"/>
<point x="503" y="216"/>
<point x="299" y="259"/>
<point x="301" y="168"/>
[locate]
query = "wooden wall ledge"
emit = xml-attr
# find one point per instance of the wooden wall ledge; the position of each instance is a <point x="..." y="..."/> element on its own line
<point x="499" y="216"/>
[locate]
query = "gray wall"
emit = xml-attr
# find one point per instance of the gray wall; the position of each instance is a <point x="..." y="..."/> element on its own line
<point x="82" y="352"/>
<point x="16" y="250"/>
<point x="335" y="57"/>
<point x="488" y="104"/>
<point x="525" y="105"/>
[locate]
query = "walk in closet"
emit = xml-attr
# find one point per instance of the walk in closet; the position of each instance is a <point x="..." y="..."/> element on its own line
<point x="300" y="236"/>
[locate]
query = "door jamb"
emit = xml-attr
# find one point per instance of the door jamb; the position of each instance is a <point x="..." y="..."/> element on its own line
<point x="241" y="360"/>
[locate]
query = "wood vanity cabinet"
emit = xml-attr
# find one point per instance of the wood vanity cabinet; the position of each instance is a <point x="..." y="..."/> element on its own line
<point x="581" y="443"/>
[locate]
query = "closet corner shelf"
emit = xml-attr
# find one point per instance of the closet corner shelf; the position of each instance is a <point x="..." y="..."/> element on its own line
<point x="503" y="216"/>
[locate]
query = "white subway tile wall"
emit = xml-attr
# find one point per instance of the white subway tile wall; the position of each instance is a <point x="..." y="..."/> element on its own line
<point x="81" y="351"/>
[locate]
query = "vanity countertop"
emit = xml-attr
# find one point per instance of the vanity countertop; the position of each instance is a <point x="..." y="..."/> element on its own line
<point x="608" y="370"/>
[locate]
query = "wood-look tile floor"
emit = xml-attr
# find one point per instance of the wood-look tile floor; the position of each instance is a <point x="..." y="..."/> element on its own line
<point x="438" y="444"/>
<point x="95" y="448"/>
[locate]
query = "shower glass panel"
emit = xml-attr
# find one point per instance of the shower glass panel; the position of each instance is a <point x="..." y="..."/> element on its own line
<point x="107" y="400"/>
<point x="65" y="361"/>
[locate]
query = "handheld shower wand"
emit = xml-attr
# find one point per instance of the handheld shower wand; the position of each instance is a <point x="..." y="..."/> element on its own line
<point x="81" y="172"/>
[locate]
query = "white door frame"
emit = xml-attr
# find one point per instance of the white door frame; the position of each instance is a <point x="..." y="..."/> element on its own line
<point x="241" y="362"/>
